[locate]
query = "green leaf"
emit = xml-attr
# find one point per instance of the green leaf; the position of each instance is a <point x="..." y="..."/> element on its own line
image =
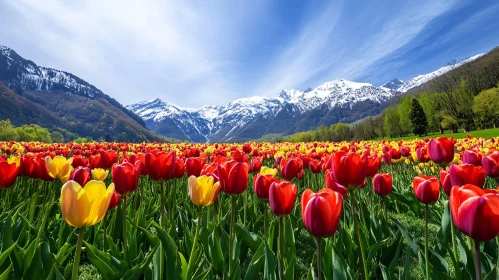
<point x="109" y="267"/>
<point x="492" y="275"/>
<point x="5" y="254"/>
<point x="339" y="265"/>
<point x="5" y="275"/>
<point x="256" y="264"/>
<point x="184" y="265"/>
<point x="270" y="264"/>
<point x="137" y="271"/>
<point x="173" y="267"/>
<point x="407" y="236"/>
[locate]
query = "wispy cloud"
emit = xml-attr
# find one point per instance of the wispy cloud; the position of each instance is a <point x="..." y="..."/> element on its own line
<point x="194" y="53"/>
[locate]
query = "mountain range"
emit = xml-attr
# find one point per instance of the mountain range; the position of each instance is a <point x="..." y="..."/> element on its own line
<point x="291" y="111"/>
<point x="53" y="98"/>
<point x="32" y="94"/>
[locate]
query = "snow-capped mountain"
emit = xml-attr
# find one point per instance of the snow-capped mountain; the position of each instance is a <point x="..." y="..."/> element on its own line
<point x="51" y="98"/>
<point x="27" y="74"/>
<point x="226" y="123"/>
<point x="421" y="79"/>
<point x="291" y="111"/>
<point x="393" y="84"/>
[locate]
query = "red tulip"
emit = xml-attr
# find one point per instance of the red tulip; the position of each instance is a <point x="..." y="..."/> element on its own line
<point x="211" y="169"/>
<point x="475" y="211"/>
<point x="333" y="185"/>
<point x="405" y="151"/>
<point x="39" y="170"/>
<point x="247" y="148"/>
<point x="108" y="158"/>
<point x="262" y="185"/>
<point x="395" y="154"/>
<point x="290" y="168"/>
<point x="144" y="169"/>
<point x="233" y="176"/>
<point x="79" y="161"/>
<point x="179" y="168"/>
<point x="161" y="165"/>
<point x="382" y="184"/>
<point x="349" y="169"/>
<point x="239" y="156"/>
<point x="315" y="166"/>
<point x="115" y="200"/>
<point x="472" y="157"/>
<point x="8" y="174"/>
<point x="422" y="154"/>
<point x="387" y="159"/>
<point x="464" y="174"/>
<point x="193" y="166"/>
<point x="491" y="165"/>
<point x="373" y="165"/>
<point x="256" y="164"/>
<point x="445" y="181"/>
<point x="441" y="150"/>
<point x="81" y="175"/>
<point x="282" y="197"/>
<point x="126" y="177"/>
<point x="321" y="211"/>
<point x="426" y="188"/>
<point x="94" y="161"/>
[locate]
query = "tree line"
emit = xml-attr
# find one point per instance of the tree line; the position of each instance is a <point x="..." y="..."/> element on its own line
<point x="34" y="132"/>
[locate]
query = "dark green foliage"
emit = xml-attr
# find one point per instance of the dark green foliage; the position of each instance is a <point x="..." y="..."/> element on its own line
<point x="418" y="118"/>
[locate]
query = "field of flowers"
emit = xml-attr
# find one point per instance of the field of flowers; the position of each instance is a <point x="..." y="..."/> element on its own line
<point x="414" y="209"/>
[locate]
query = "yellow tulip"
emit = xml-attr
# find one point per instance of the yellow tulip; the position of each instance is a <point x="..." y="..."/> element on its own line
<point x="99" y="174"/>
<point x="65" y="178"/>
<point x="58" y="167"/>
<point x="202" y="190"/>
<point x="267" y="170"/>
<point x="15" y="159"/>
<point x="84" y="207"/>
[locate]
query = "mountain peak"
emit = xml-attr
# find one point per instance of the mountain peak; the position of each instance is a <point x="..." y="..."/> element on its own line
<point x="393" y="84"/>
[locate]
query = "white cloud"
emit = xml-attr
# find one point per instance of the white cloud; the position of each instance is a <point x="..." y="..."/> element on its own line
<point x="333" y="47"/>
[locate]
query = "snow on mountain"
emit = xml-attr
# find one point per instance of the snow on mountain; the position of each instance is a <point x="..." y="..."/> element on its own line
<point x="393" y="84"/>
<point x="31" y="76"/>
<point x="421" y="79"/>
<point x="222" y="122"/>
<point x="225" y="123"/>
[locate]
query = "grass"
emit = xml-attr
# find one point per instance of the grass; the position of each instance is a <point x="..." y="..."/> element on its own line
<point x="486" y="133"/>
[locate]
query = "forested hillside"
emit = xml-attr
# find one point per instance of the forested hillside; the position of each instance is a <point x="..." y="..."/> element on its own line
<point x="466" y="98"/>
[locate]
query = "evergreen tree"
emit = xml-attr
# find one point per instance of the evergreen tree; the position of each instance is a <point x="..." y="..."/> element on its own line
<point x="418" y="118"/>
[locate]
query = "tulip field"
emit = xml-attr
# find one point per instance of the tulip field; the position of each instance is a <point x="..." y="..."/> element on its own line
<point x="412" y="209"/>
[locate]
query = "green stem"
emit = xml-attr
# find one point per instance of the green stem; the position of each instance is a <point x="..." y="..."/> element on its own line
<point x="76" y="262"/>
<point x="497" y="240"/>
<point x="478" y="267"/>
<point x="281" y="248"/>
<point x="453" y="235"/>
<point x="357" y="236"/>
<point x="231" y="240"/>
<point x="162" y="223"/>
<point x="319" y="259"/>
<point x="384" y="205"/>
<point x="266" y="222"/>
<point x="125" y="249"/>
<point x="245" y="195"/>
<point x="105" y="232"/>
<point x="426" y="243"/>
<point x="194" y="244"/>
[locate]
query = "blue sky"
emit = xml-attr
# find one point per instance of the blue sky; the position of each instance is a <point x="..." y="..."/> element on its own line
<point x="193" y="53"/>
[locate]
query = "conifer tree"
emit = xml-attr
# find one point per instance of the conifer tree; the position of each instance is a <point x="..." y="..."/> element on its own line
<point x="418" y="118"/>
